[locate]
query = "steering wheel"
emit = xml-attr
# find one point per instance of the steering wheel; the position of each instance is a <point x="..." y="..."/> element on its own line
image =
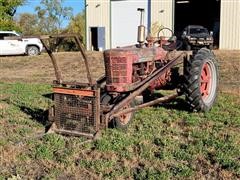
<point x="169" y="43"/>
<point x="162" y="31"/>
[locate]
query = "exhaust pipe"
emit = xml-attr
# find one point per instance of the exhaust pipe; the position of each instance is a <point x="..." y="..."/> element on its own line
<point x="141" y="28"/>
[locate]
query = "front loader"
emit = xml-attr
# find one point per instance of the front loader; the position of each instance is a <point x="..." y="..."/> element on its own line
<point x="84" y="109"/>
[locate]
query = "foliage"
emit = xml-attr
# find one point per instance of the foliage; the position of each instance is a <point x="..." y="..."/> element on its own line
<point x="8" y="25"/>
<point x="77" y="25"/>
<point x="28" y="23"/>
<point x="8" y="8"/>
<point x="50" y="20"/>
<point x="51" y="15"/>
<point x="7" y="11"/>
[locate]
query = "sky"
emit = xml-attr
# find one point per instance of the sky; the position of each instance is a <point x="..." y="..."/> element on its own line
<point x="29" y="7"/>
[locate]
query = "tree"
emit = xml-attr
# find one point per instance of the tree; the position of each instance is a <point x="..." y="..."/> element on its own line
<point x="51" y="15"/>
<point x="8" y="8"/>
<point x="28" y="23"/>
<point x="77" y="25"/>
<point x="7" y="11"/>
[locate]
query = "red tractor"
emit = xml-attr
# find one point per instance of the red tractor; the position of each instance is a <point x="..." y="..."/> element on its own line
<point x="137" y="70"/>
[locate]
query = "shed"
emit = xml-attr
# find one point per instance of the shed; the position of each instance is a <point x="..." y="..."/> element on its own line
<point x="112" y="23"/>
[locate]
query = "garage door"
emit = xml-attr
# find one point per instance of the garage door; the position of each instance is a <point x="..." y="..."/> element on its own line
<point x="124" y="21"/>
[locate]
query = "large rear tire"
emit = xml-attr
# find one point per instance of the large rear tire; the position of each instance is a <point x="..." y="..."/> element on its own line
<point x="210" y="47"/>
<point x="201" y="80"/>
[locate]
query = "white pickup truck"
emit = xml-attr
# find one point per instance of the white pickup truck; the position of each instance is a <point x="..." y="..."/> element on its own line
<point x="29" y="46"/>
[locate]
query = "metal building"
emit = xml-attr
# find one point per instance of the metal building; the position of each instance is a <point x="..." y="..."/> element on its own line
<point x="112" y="23"/>
<point x="230" y="24"/>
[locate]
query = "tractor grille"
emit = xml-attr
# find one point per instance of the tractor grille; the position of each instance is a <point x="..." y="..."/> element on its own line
<point x="76" y="113"/>
<point x="117" y="71"/>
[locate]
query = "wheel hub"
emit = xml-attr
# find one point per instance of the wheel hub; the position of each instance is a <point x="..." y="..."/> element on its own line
<point x="125" y="118"/>
<point x="206" y="80"/>
<point x="32" y="52"/>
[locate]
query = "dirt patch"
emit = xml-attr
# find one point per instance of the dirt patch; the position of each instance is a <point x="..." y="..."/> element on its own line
<point x="39" y="69"/>
<point x="229" y="64"/>
<point x="3" y="106"/>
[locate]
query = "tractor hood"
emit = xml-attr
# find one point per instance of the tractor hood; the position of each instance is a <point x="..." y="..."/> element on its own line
<point x="138" y="54"/>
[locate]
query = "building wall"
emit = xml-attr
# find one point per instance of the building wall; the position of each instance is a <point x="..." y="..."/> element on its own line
<point x="125" y="20"/>
<point x="162" y="13"/>
<point x="98" y="14"/>
<point x="230" y="24"/>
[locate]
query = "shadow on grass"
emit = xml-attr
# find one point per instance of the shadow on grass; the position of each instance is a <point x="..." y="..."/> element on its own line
<point x="35" y="114"/>
<point x="39" y="115"/>
<point x="177" y="104"/>
<point x="48" y="96"/>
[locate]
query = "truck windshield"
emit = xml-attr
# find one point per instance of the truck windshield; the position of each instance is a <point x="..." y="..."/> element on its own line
<point x="198" y="30"/>
<point x="18" y="34"/>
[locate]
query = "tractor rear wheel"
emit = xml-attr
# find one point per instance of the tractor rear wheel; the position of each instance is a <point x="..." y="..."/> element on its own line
<point x="201" y="80"/>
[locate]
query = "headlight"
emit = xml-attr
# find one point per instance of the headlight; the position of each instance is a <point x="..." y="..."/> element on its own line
<point x="209" y="39"/>
<point x="193" y="38"/>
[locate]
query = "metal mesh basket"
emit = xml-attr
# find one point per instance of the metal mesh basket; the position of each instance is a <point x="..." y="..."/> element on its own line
<point x="76" y="113"/>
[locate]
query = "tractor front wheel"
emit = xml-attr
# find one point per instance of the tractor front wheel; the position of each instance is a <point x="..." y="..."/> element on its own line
<point x="201" y="80"/>
<point x="123" y="121"/>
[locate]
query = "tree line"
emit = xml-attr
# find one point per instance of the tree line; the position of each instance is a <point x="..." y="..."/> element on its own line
<point x="48" y="18"/>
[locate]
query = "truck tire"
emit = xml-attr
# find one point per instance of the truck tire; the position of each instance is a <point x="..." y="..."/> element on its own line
<point x="32" y="51"/>
<point x="188" y="47"/>
<point x="210" y="47"/>
<point x="201" y="80"/>
<point x="123" y="121"/>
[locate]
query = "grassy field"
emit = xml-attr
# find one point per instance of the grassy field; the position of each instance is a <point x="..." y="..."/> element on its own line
<point x="162" y="142"/>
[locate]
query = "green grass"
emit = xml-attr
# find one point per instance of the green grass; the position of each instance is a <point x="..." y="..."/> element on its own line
<point x="161" y="143"/>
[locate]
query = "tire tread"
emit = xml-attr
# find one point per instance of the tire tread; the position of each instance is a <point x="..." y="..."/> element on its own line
<point x="192" y="73"/>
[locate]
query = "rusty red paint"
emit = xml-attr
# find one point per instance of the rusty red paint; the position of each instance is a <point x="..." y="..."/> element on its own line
<point x="205" y="80"/>
<point x="161" y="81"/>
<point x="120" y="64"/>
<point x="77" y="92"/>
